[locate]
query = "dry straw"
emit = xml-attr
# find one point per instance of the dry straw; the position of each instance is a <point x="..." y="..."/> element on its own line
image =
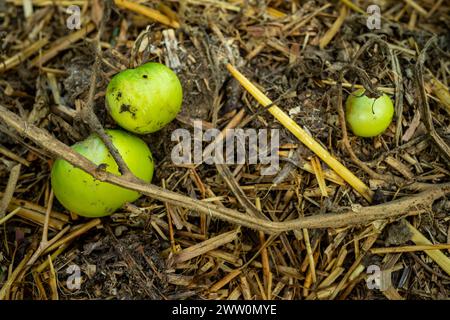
<point x="301" y="134"/>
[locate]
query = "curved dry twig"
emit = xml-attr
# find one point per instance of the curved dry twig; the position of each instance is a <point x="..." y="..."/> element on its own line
<point x="87" y="114"/>
<point x="411" y="205"/>
<point x="423" y="102"/>
<point x="363" y="77"/>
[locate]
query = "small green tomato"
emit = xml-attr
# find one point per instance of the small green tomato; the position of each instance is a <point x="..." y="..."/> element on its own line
<point x="79" y="192"/>
<point x="144" y="99"/>
<point x="368" y="117"/>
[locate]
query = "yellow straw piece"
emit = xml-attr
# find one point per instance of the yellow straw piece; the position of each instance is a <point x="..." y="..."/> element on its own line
<point x="315" y="163"/>
<point x="274" y="13"/>
<point x="329" y="35"/>
<point x="15" y="60"/>
<point x="148" y="12"/>
<point x="301" y="134"/>
<point x="417" y="7"/>
<point x="441" y="91"/>
<point x="353" y="6"/>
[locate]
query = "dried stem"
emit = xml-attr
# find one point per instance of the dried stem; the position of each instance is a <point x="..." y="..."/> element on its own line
<point x="428" y="119"/>
<point x="411" y="205"/>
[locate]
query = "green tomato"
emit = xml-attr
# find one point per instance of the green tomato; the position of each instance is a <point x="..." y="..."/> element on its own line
<point x="368" y="117"/>
<point x="79" y="192"/>
<point x="145" y="99"/>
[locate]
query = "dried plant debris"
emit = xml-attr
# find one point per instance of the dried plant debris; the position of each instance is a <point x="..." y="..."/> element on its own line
<point x="227" y="231"/>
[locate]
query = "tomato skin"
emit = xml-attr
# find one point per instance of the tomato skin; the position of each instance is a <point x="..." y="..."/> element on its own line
<point x="145" y="99"/>
<point x="80" y="193"/>
<point x="368" y="117"/>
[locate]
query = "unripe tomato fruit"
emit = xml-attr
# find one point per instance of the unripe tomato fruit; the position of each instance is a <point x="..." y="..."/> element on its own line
<point x="368" y="117"/>
<point x="80" y="193"/>
<point x="144" y="99"/>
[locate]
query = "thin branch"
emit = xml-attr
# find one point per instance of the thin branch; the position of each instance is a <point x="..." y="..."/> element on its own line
<point x="87" y="110"/>
<point x="414" y="204"/>
<point x="423" y="102"/>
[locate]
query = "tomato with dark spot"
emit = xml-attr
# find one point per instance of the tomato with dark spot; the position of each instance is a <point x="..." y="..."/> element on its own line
<point x="151" y="98"/>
